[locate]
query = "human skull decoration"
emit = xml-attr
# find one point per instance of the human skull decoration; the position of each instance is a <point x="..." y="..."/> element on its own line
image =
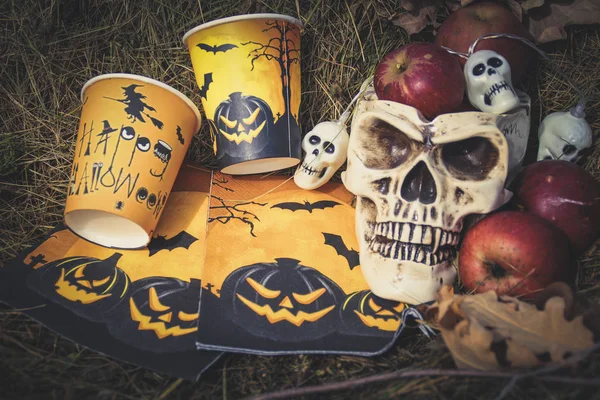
<point x="563" y="135"/>
<point x="326" y="147"/>
<point x="489" y="84"/>
<point x="415" y="181"/>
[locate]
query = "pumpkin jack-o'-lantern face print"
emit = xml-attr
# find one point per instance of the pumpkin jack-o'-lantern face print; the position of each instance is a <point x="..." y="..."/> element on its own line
<point x="286" y="312"/>
<point x="161" y="315"/>
<point x="87" y="286"/>
<point x="161" y="318"/>
<point x="366" y="314"/>
<point x="244" y="119"/>
<point x="284" y="300"/>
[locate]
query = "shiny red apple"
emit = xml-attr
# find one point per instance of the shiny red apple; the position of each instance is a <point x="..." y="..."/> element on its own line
<point x="468" y="23"/>
<point x="423" y="76"/>
<point x="564" y="194"/>
<point x="514" y="253"/>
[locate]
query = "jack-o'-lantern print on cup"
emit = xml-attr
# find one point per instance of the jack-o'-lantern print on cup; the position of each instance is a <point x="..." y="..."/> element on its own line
<point x="133" y="135"/>
<point x="248" y="73"/>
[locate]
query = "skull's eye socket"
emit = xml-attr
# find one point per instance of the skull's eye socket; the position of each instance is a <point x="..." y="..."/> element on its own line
<point x="128" y="133"/>
<point x="143" y="144"/>
<point x="329" y="147"/>
<point x="314" y="139"/>
<point x="569" y="149"/>
<point x="384" y="146"/>
<point x="470" y="159"/>
<point x="494" y="62"/>
<point x="479" y="69"/>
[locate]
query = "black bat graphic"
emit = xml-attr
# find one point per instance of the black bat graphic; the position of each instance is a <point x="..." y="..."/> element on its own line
<point x="207" y="81"/>
<point x="307" y="205"/>
<point x="158" y="243"/>
<point x="179" y="135"/>
<point x="338" y="244"/>
<point x="215" y="49"/>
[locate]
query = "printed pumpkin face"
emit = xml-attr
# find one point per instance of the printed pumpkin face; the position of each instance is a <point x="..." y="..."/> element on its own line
<point x="160" y="316"/>
<point x="85" y="285"/>
<point x="284" y="301"/>
<point x="243" y="120"/>
<point x="367" y="314"/>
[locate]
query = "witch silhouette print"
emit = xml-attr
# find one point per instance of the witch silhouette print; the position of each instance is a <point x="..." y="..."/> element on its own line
<point x="136" y="106"/>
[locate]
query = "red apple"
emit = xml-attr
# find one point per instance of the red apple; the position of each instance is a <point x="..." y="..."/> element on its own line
<point x="564" y="194"/>
<point x="466" y="24"/>
<point x="421" y="75"/>
<point x="514" y="253"/>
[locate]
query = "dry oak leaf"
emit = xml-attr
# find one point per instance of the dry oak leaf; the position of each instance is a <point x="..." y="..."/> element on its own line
<point x="488" y="332"/>
<point x="548" y="21"/>
<point x="418" y="14"/>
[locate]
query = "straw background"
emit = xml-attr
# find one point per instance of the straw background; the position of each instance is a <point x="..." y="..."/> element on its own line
<point x="50" y="48"/>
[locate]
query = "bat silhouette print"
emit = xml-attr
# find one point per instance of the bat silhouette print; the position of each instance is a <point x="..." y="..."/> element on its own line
<point x="307" y="205"/>
<point x="181" y="240"/>
<point x="179" y="135"/>
<point x="208" y="79"/>
<point x="340" y="247"/>
<point x="217" y="48"/>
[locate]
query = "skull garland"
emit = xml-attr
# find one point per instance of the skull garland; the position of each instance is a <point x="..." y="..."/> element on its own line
<point x="563" y="135"/>
<point x="326" y="148"/>
<point x="415" y="181"/>
<point x="489" y="85"/>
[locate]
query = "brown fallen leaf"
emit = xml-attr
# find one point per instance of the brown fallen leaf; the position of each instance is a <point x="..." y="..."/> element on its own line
<point x="488" y="332"/>
<point x="547" y="22"/>
<point x="418" y="15"/>
<point x="529" y="4"/>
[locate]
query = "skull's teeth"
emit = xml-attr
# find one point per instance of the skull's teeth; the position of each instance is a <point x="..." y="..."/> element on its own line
<point x="497" y="88"/>
<point x="413" y="233"/>
<point x="407" y="241"/>
<point x="313" y="171"/>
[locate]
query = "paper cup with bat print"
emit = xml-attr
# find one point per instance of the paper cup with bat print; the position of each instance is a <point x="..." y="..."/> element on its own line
<point x="133" y="135"/>
<point x="248" y="73"/>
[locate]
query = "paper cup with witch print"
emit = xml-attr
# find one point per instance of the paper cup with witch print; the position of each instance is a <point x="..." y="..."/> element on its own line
<point x="248" y="73"/>
<point x="132" y="139"/>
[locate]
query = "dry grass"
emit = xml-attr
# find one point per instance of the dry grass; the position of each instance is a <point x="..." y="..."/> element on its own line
<point x="49" y="49"/>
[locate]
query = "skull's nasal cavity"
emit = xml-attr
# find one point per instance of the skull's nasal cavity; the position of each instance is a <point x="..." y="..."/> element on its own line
<point x="419" y="185"/>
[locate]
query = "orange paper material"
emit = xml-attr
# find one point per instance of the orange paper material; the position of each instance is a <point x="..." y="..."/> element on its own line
<point x="282" y="273"/>
<point x="133" y="136"/>
<point x="248" y="73"/>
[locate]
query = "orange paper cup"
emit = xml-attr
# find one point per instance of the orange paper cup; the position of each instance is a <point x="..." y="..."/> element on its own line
<point x="133" y="136"/>
<point x="248" y="73"/>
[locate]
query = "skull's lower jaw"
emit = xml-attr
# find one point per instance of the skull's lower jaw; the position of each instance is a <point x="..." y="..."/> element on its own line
<point x="317" y="172"/>
<point x="407" y="281"/>
<point x="311" y="177"/>
<point x="407" y="262"/>
<point x="499" y="98"/>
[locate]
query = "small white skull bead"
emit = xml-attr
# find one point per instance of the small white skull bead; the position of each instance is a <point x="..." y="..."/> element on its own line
<point x="489" y="85"/>
<point x="415" y="181"/>
<point x="326" y="147"/>
<point x="563" y="135"/>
